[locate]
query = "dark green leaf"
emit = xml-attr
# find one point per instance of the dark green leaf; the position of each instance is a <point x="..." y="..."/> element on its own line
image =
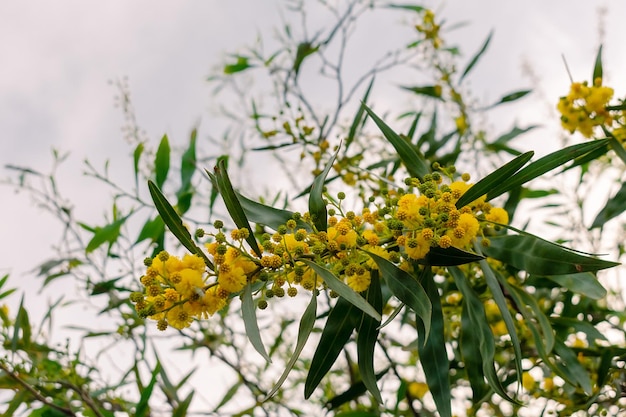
<point x="317" y="205"/>
<point x="267" y="215"/>
<point x="367" y="335"/>
<point x="162" y="161"/>
<point x="411" y="7"/>
<point x="248" y="311"/>
<point x="229" y="395"/>
<point x="433" y="91"/>
<point x="414" y="162"/>
<point x="152" y="229"/>
<point x="545" y="164"/>
<point x="355" y="391"/>
<point x="569" y="365"/>
<point x="597" y="67"/>
<point x="407" y="289"/>
<point x="143" y="408"/>
<point x="475" y="311"/>
<point x="522" y="300"/>
<point x="510" y="97"/>
<point x="175" y="223"/>
<point x="221" y="180"/>
<point x="584" y="283"/>
<point x="341" y="321"/>
<point x="448" y="257"/>
<point x="188" y="164"/>
<point x="306" y="326"/>
<point x="476" y="57"/>
<point x="241" y="64"/>
<point x="472" y="360"/>
<point x="493" y="180"/>
<point x="22" y="325"/>
<point x="432" y="349"/>
<point x="613" y="208"/>
<point x="304" y="50"/>
<point x="564" y="325"/>
<point x="343" y="290"/>
<point x="539" y="257"/>
<point x="358" y="121"/>
<point x="183" y="406"/>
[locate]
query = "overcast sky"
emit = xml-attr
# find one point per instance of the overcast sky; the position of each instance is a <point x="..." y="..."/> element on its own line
<point x="57" y="59"/>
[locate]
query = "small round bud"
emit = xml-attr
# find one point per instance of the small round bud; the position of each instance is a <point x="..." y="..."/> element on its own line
<point x="199" y="233"/>
<point x="331" y="212"/>
<point x="333" y="294"/>
<point x="262" y="304"/>
<point x="220" y="237"/>
<point x="279" y="292"/>
<point x="162" y="325"/>
<point x="135" y="296"/>
<point x="465" y="176"/>
<point x="282" y="229"/>
<point x="292" y="291"/>
<point x="147" y="262"/>
<point x="291" y="224"/>
<point x="218" y="224"/>
<point x="163" y="256"/>
<point x="341" y="195"/>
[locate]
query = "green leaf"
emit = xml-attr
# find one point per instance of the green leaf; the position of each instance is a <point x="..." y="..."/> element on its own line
<point x="545" y="164"/>
<point x="597" y="67"/>
<point x="494" y="280"/>
<point x="22" y="324"/>
<point x="448" y="257"/>
<point x="162" y="161"/>
<point x="512" y="134"/>
<point x="472" y="359"/>
<point x="475" y="311"/>
<point x="306" y="326"/>
<point x="432" y="349"/>
<point x="108" y="233"/>
<point x="522" y="300"/>
<point x="493" y="180"/>
<point x="613" y="208"/>
<point x="342" y="289"/>
<point x="248" y="311"/>
<point x="367" y="335"/>
<point x="358" y="121"/>
<point x="304" y="50"/>
<point x="317" y="205"/>
<point x="433" y="91"/>
<point x="267" y="215"/>
<point x="355" y="391"/>
<point x="569" y="365"/>
<point x="563" y="326"/>
<point x="510" y="97"/>
<point x="584" y="283"/>
<point x="136" y="156"/>
<point x="476" y="57"/>
<point x="414" y="162"/>
<point x="229" y="395"/>
<point x="540" y="257"/>
<point x="339" y="326"/>
<point x="221" y="180"/>
<point x="241" y="64"/>
<point x="188" y="163"/>
<point x="407" y="289"/>
<point x="152" y="229"/>
<point x="183" y="406"/>
<point x="143" y="408"/>
<point x="411" y="7"/>
<point x="175" y="223"/>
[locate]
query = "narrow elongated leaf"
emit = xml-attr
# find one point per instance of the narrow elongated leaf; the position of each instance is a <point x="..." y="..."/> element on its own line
<point x="367" y="335"/>
<point x="433" y="91"/>
<point x="358" y="121"/>
<point x="175" y="223"/>
<point x="512" y="134"/>
<point x="432" y="349"/>
<point x="225" y="187"/>
<point x="563" y="326"/>
<point x="475" y="310"/>
<point x="472" y="359"/>
<point x="613" y="208"/>
<point x="183" y="406"/>
<point x="229" y="395"/>
<point x="241" y="64"/>
<point x="267" y="215"/>
<point x="407" y="289"/>
<point x="317" y="205"/>
<point x="569" y="365"/>
<point x="584" y="283"/>
<point x="304" y="50"/>
<point x="248" y="311"/>
<point x="523" y="299"/>
<point x="355" y="391"/>
<point x="510" y="97"/>
<point x="162" y="161"/>
<point x="22" y="324"/>
<point x="306" y="326"/>
<point x="411" y="7"/>
<point x="108" y="233"/>
<point x="493" y="280"/>
<point x="143" y="408"/>
<point x="136" y="156"/>
<point x="414" y="162"/>
<point x="597" y="67"/>
<point x="545" y="164"/>
<point x="540" y="257"/>
<point x="341" y="321"/>
<point x="476" y="57"/>
<point x="152" y="229"/>
<point x="493" y="180"/>
<point x="188" y="163"/>
<point x="343" y="290"/>
<point x="449" y="257"/>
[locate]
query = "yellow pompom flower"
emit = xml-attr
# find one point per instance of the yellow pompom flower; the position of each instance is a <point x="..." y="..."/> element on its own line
<point x="178" y="317"/>
<point x="190" y="280"/>
<point x="193" y="262"/>
<point x="417" y="248"/>
<point x="498" y="215"/>
<point x="418" y="389"/>
<point x="466" y="230"/>
<point x="360" y="281"/>
<point x="376" y="250"/>
<point x="231" y="278"/>
<point x="528" y="382"/>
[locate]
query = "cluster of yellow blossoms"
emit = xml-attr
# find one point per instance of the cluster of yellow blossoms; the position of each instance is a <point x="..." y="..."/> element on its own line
<point x="585" y="107"/>
<point x="402" y="229"/>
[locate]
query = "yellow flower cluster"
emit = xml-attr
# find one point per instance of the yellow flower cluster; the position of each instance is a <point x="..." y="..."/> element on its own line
<point x="402" y="229"/>
<point x="584" y="107"/>
<point x="430" y="29"/>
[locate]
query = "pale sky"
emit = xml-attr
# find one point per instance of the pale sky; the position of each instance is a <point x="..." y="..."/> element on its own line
<point x="57" y="58"/>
